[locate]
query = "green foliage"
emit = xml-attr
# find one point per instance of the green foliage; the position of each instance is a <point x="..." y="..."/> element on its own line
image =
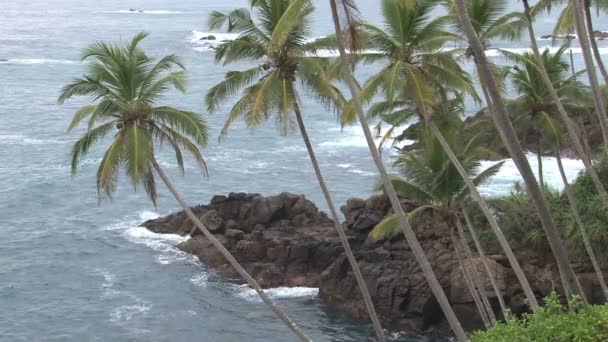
<point x="552" y="322"/>
<point x="521" y="225"/>
<point x="429" y="177"/>
<point x="124" y="84"/>
<point x="519" y="220"/>
<point x="593" y="214"/>
<point x="274" y="33"/>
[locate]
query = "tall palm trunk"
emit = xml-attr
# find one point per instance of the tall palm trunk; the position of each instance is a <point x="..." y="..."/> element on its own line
<point x="539" y="159"/>
<point x="469" y="283"/>
<point x="369" y="305"/>
<point x="583" y="39"/>
<point x="581" y="227"/>
<point x="226" y="254"/>
<point x="511" y="142"/>
<point x="390" y="190"/>
<point x="521" y="277"/>
<point x="570" y="126"/>
<point x="482" y="255"/>
<point x="593" y="41"/>
<point x="481" y="287"/>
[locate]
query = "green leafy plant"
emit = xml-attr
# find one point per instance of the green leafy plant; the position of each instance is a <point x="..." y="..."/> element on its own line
<point x="552" y="322"/>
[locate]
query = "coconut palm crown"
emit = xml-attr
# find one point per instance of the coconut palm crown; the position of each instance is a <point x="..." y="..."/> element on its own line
<point x="418" y="70"/>
<point x="125" y="84"/>
<point x="278" y="40"/>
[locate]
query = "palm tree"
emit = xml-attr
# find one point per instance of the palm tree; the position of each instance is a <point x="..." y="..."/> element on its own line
<point x="534" y="103"/>
<point x="583" y="35"/>
<point x="566" y="23"/>
<point x="125" y="83"/>
<point x="565" y="118"/>
<point x="278" y="39"/>
<point x="417" y="68"/>
<point x="429" y="177"/>
<point x="349" y="12"/>
<point x="553" y="132"/>
<point x="511" y="142"/>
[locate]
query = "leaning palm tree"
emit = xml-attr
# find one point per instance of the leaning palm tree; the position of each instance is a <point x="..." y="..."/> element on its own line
<point x="534" y="102"/>
<point x="511" y="142"/>
<point x="554" y="134"/>
<point x="346" y="11"/>
<point x="417" y="69"/>
<point x="571" y="128"/>
<point x="125" y="83"/>
<point x="278" y="38"/>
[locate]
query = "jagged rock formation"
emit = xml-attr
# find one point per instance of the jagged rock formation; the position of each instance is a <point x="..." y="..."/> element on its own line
<point x="285" y="240"/>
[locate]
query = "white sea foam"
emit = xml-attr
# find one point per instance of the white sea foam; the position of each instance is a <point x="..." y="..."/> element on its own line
<point x="165" y="244"/>
<point x="200" y="279"/>
<point x="127" y="312"/>
<point x="31" y="61"/>
<point x="20" y="139"/>
<point x="279" y="293"/>
<point x="344" y="166"/>
<point x="503" y="182"/>
<point x="143" y="11"/>
<point x="361" y="172"/>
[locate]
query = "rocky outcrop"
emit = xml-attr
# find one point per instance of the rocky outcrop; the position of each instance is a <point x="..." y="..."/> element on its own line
<point x="285" y="240"/>
<point x="281" y="240"/>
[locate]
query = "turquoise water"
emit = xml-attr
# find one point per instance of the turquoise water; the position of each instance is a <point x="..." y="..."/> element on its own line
<point x="71" y="270"/>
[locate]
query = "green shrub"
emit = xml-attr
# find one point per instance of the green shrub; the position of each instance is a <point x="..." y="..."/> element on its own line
<point x="552" y="323"/>
<point x="593" y="213"/>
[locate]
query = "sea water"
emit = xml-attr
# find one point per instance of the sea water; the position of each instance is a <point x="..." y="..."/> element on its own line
<point x="73" y="270"/>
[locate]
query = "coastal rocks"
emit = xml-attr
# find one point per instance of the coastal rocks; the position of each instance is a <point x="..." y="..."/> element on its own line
<point x="399" y="289"/>
<point x="459" y="292"/>
<point x="284" y="240"/>
<point x="210" y="37"/>
<point x="281" y="240"/>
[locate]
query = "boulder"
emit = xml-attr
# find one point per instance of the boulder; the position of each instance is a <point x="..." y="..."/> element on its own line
<point x="459" y="292"/>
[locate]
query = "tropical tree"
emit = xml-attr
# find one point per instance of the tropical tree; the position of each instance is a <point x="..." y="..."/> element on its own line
<point x="277" y="39"/>
<point x="429" y="177"/>
<point x="566" y="22"/>
<point x="554" y="132"/>
<point x="509" y="137"/>
<point x="345" y="12"/>
<point x="417" y="68"/>
<point x="571" y="128"/>
<point x="432" y="181"/>
<point x="125" y="85"/>
<point x="534" y="105"/>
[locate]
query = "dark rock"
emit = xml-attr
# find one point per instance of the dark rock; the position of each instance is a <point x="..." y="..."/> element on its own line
<point x="285" y="240"/>
<point x="213" y="222"/>
<point x="211" y="37"/>
<point x="217" y="199"/>
<point x="234" y="234"/>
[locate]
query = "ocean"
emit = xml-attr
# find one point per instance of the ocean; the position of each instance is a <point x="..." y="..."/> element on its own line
<point x="72" y="269"/>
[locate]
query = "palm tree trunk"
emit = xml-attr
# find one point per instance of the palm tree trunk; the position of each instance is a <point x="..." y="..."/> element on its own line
<point x="581" y="226"/>
<point x="570" y="126"/>
<point x="593" y="41"/>
<point x="511" y="142"/>
<point x="390" y="190"/>
<point x="467" y="279"/>
<point x="521" y="277"/>
<point x="539" y="159"/>
<point x="233" y="262"/>
<point x="583" y="37"/>
<point x="482" y="255"/>
<point x="480" y="286"/>
<point x="347" y="249"/>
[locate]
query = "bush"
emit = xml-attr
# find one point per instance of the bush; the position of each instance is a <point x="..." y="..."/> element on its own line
<point x="552" y="323"/>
